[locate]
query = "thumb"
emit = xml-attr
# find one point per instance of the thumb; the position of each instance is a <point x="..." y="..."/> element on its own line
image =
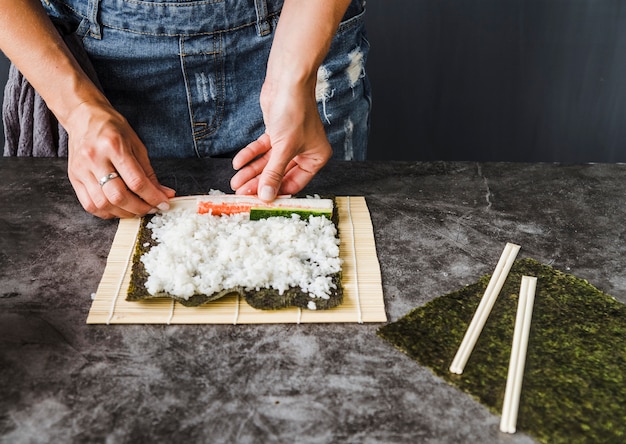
<point x="272" y="176"/>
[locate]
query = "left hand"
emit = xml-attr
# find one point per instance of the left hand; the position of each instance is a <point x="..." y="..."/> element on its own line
<point x="293" y="148"/>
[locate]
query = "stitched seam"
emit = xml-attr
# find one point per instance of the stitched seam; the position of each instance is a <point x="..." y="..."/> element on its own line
<point x="236" y="28"/>
<point x="181" y="44"/>
<point x="222" y="101"/>
<point x="207" y="33"/>
<point x="351" y="22"/>
<point x="177" y="5"/>
<point x="76" y="12"/>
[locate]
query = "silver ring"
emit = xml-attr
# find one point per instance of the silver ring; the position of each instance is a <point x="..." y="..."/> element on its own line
<point x="110" y="176"/>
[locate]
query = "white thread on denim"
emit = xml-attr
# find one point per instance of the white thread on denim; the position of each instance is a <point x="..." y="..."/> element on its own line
<point x="203" y="86"/>
<point x="322" y="90"/>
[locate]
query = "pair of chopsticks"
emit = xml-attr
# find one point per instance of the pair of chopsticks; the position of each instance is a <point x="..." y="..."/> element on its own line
<point x="520" y="334"/>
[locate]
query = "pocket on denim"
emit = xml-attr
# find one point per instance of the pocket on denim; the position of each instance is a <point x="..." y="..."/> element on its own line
<point x="203" y="73"/>
<point x="355" y="17"/>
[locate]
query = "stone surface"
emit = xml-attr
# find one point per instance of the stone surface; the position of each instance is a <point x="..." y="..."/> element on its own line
<point x="438" y="226"/>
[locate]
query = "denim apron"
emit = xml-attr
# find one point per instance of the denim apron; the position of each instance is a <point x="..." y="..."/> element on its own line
<point x="187" y="74"/>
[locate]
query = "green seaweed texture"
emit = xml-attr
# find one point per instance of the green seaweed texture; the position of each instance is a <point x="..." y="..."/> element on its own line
<point x="574" y="388"/>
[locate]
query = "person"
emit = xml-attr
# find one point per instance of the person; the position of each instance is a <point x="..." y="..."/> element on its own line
<point x="278" y="85"/>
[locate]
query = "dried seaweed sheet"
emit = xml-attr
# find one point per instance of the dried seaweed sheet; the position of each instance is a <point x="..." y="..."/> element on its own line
<point x="574" y="388"/>
<point x="263" y="299"/>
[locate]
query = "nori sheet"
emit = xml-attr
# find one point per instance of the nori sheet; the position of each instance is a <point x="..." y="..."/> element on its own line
<point x="263" y="299"/>
<point x="574" y="388"/>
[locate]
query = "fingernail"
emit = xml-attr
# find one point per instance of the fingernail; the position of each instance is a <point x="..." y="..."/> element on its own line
<point x="267" y="193"/>
<point x="153" y="211"/>
<point x="163" y="206"/>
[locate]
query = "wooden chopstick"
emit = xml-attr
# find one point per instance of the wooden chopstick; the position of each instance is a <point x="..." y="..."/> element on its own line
<point x="515" y="376"/>
<point x="484" y="308"/>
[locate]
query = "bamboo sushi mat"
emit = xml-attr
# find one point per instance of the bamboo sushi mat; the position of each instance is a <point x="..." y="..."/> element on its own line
<point x="361" y="280"/>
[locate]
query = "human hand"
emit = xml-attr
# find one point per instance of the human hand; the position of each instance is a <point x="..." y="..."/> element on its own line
<point x="292" y="150"/>
<point x="102" y="142"/>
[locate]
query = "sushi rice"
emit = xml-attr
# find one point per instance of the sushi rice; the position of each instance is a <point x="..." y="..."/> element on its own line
<point x="205" y="254"/>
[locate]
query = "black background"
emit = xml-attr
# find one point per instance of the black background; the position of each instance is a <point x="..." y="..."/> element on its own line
<point x="520" y="80"/>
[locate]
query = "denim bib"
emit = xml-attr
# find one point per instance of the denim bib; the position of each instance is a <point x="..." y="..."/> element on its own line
<point x="187" y="74"/>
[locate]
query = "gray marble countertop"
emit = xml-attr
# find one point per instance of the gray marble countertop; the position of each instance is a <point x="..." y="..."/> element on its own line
<point x="438" y="227"/>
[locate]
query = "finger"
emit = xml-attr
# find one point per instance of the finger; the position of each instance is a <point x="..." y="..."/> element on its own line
<point x="251" y="185"/>
<point x="147" y="192"/>
<point x="253" y="150"/>
<point x="169" y="192"/>
<point x="295" y="180"/>
<point x="249" y="188"/>
<point x="133" y="164"/>
<point x="100" y="207"/>
<point x="302" y="169"/>
<point x="83" y="193"/>
<point x="250" y="171"/>
<point x="117" y="198"/>
<point x="271" y="178"/>
<point x="144" y="162"/>
<point x="85" y="200"/>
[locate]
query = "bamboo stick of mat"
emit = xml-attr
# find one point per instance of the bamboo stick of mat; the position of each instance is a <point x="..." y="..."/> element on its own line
<point x="484" y="308"/>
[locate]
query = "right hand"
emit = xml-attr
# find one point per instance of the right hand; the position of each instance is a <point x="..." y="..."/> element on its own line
<point x="291" y="151"/>
<point x="101" y="142"/>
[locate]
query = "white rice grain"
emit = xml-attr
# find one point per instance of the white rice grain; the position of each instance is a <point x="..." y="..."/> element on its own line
<point x="201" y="253"/>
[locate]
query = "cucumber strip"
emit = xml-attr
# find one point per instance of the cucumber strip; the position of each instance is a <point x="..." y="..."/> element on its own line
<point x="264" y="212"/>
